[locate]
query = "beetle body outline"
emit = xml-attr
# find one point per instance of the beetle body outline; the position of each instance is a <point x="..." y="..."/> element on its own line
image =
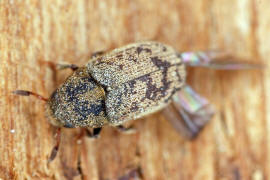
<point x="124" y="84"/>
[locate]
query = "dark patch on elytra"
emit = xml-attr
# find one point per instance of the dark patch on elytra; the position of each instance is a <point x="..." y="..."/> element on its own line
<point x="140" y="49"/>
<point x="147" y="50"/>
<point x="163" y="65"/>
<point x="121" y="66"/>
<point x="172" y="93"/>
<point x="151" y="91"/>
<point x="134" y="107"/>
<point x="131" y="85"/>
<point x="110" y="63"/>
<point x="165" y="82"/>
<point x="119" y="56"/>
<point x="126" y="89"/>
<point x="132" y="58"/>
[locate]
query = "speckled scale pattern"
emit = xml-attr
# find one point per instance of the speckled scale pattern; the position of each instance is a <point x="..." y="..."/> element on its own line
<point x="139" y="79"/>
<point x="78" y="102"/>
<point x="121" y="85"/>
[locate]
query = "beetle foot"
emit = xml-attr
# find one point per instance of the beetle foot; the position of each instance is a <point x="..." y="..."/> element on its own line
<point x="95" y="134"/>
<point x="127" y="130"/>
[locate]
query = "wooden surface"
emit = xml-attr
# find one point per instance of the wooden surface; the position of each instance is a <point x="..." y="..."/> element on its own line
<point x="235" y="145"/>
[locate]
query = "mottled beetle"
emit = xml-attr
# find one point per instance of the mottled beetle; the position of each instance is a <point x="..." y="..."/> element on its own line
<point x="131" y="82"/>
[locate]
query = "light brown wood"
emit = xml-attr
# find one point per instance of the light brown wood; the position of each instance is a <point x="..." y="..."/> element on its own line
<point x="235" y="145"/>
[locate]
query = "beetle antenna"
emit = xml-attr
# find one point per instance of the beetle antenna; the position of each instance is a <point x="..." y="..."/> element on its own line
<point x="28" y="93"/>
<point x="58" y="133"/>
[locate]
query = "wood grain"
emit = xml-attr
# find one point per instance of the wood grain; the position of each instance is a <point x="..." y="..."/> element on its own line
<point x="235" y="145"/>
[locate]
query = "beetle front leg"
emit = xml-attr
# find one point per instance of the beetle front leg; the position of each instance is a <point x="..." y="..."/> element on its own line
<point x="60" y="66"/>
<point x="73" y="67"/>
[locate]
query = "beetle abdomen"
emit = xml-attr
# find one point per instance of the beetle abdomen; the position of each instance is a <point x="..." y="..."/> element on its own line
<point x="140" y="79"/>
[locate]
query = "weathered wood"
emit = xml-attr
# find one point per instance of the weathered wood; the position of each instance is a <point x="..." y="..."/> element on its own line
<point x="234" y="145"/>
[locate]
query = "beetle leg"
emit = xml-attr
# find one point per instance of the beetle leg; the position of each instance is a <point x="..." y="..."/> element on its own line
<point x="189" y="112"/>
<point x="79" y="167"/>
<point x="73" y="67"/>
<point x="56" y="147"/>
<point x="60" y="66"/>
<point x="95" y="133"/>
<point x="217" y="60"/>
<point x="128" y="130"/>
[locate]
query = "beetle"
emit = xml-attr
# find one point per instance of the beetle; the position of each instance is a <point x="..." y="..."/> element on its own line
<point x="129" y="83"/>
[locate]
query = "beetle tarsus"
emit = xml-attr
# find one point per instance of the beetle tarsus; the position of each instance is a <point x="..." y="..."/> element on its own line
<point x="79" y="167"/>
<point x="95" y="133"/>
<point x="127" y="130"/>
<point x="97" y="53"/>
<point x="218" y="60"/>
<point x="56" y="66"/>
<point x="21" y="92"/>
<point x="73" y="67"/>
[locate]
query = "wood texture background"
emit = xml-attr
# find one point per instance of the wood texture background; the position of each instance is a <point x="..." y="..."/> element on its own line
<point x="234" y="145"/>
